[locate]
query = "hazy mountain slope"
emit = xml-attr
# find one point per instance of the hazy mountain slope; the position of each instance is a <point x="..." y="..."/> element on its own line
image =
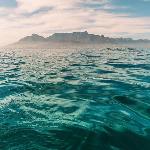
<point x="75" y="39"/>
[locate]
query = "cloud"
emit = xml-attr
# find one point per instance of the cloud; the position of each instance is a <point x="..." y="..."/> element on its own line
<point x="48" y="16"/>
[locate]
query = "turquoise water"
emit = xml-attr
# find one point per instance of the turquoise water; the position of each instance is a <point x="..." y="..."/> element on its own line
<point x="75" y="99"/>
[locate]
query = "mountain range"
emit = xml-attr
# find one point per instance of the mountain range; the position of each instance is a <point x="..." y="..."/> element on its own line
<point x="75" y="39"/>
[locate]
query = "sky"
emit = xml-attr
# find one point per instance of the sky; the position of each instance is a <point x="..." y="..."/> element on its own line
<point x="113" y="18"/>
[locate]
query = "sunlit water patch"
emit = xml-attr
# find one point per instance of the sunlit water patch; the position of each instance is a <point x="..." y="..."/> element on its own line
<point x="75" y="99"/>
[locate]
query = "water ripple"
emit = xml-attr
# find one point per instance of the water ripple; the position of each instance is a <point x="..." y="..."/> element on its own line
<point x="75" y="99"/>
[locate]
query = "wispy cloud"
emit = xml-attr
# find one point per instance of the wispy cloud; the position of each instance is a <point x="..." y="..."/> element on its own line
<point x="47" y="16"/>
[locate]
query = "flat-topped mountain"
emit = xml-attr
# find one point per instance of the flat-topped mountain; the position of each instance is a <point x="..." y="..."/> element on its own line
<point x="75" y="39"/>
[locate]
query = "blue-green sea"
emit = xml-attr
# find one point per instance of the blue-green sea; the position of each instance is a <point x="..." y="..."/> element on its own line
<point x="71" y="99"/>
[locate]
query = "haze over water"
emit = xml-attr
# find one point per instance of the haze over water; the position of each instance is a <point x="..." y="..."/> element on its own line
<point x="75" y="99"/>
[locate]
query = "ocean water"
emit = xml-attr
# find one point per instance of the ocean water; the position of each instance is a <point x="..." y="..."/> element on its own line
<point x="75" y="99"/>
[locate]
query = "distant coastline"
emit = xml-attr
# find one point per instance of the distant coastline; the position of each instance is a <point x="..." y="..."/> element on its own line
<point x="75" y="40"/>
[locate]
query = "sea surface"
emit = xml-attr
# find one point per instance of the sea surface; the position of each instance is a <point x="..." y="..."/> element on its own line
<point x="70" y="99"/>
